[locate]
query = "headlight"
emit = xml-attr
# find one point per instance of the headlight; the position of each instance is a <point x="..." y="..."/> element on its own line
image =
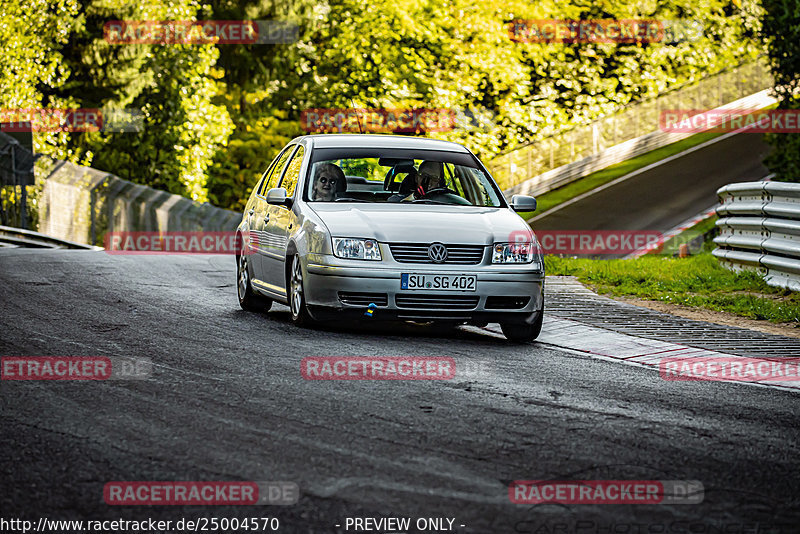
<point x="356" y="249"/>
<point x="514" y="252"/>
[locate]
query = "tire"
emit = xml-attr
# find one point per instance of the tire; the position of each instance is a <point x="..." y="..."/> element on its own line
<point x="248" y="299"/>
<point x="523" y="332"/>
<point x="297" y="295"/>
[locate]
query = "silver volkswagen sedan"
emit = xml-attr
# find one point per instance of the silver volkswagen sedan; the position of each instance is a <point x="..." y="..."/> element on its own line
<point x="383" y="227"/>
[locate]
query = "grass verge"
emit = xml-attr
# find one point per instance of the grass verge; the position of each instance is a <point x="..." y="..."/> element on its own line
<point x="558" y="196"/>
<point x="697" y="281"/>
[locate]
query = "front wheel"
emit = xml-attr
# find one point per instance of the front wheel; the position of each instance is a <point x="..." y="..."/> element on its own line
<point x="297" y="296"/>
<point x="523" y="332"/>
<point x="248" y="299"/>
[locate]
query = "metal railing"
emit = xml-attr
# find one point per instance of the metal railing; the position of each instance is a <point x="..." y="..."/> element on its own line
<point x="630" y="122"/>
<point x="16" y="174"/>
<point x="759" y="229"/>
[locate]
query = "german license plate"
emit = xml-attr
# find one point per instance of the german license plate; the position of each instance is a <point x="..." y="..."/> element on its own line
<point x="439" y="282"/>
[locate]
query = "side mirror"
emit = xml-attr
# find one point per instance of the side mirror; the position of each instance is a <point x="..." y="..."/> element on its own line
<point x="277" y="197"/>
<point x="523" y="203"/>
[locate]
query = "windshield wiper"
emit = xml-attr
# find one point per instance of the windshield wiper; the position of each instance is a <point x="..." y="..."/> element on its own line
<point x="429" y="201"/>
<point x="348" y="199"/>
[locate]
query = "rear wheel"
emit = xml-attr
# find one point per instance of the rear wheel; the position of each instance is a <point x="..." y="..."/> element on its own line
<point x="248" y="299"/>
<point x="297" y="296"/>
<point x="523" y="332"/>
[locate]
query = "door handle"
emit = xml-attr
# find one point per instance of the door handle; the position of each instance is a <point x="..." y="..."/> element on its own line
<point x="266" y="218"/>
<point x="252" y="211"/>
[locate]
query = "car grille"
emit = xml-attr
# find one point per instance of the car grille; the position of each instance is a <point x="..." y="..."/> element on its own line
<point x="437" y="302"/>
<point x="363" y="299"/>
<point x="506" y="303"/>
<point x="418" y="253"/>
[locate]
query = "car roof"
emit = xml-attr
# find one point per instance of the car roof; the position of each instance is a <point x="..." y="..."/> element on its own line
<point x="381" y="141"/>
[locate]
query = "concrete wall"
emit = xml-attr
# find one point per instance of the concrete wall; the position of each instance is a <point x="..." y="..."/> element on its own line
<point x="81" y="204"/>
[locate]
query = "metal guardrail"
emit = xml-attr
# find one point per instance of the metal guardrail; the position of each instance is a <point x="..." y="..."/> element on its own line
<point x="530" y="169"/>
<point x="759" y="229"/>
<point x="12" y="237"/>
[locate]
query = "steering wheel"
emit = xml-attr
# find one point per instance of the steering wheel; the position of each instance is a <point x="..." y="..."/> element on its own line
<point x="436" y="190"/>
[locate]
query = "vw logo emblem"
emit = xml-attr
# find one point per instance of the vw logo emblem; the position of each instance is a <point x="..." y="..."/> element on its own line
<point x="437" y="252"/>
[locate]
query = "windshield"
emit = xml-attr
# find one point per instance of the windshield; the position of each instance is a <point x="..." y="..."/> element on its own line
<point x="399" y="179"/>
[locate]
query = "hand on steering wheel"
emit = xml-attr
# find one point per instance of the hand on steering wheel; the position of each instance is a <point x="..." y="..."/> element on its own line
<point x="437" y="190"/>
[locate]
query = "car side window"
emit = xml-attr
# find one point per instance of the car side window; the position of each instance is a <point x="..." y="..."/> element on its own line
<point x="274" y="172"/>
<point x="292" y="174"/>
<point x="265" y="177"/>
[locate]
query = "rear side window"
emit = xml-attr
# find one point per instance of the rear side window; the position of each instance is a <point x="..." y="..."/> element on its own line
<point x="292" y="174"/>
<point x="274" y="172"/>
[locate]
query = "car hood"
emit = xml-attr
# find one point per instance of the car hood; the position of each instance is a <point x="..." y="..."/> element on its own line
<point x="388" y="223"/>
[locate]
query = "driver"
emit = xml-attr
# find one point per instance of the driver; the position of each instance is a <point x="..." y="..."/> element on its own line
<point x="430" y="184"/>
<point x="428" y="177"/>
<point x="328" y="181"/>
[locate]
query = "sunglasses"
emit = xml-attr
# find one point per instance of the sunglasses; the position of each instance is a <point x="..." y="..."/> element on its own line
<point x="326" y="180"/>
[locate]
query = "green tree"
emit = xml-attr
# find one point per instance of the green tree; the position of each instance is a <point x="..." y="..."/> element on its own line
<point x="458" y="55"/>
<point x="253" y="88"/>
<point x="33" y="33"/>
<point x="781" y="32"/>
<point x="575" y="83"/>
<point x="237" y="168"/>
<point x="172" y="85"/>
<point x="250" y="68"/>
<point x="215" y="115"/>
<point x="421" y="54"/>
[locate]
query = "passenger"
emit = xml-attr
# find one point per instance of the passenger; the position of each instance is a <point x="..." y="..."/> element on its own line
<point x="328" y="181"/>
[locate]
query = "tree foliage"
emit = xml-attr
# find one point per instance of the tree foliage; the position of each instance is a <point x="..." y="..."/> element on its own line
<point x="215" y="115"/>
<point x="33" y="34"/>
<point x="172" y="85"/>
<point x="256" y="82"/>
<point x="457" y="55"/>
<point x="781" y="32"/>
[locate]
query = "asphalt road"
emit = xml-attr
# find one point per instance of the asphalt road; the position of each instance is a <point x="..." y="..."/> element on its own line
<point x="667" y="195"/>
<point x="227" y="402"/>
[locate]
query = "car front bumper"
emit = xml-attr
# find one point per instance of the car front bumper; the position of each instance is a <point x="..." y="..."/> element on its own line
<point x="504" y="293"/>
